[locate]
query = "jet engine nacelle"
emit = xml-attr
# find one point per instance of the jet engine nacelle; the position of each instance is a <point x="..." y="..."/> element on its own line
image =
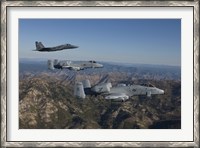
<point x="75" y="68"/>
<point x="102" y="88"/>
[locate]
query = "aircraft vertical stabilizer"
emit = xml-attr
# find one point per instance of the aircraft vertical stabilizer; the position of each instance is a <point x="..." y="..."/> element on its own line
<point x="50" y="64"/>
<point x="55" y="62"/>
<point x="86" y="83"/>
<point x="79" y="90"/>
<point x="39" y="45"/>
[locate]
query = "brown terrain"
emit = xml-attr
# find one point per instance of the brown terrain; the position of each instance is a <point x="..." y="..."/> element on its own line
<point x="47" y="102"/>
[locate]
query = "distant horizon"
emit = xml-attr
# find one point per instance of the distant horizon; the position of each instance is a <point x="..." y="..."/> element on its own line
<point x="109" y="62"/>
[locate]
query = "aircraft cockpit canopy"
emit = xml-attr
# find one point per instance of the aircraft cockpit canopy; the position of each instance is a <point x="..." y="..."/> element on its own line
<point x="121" y="84"/>
<point x="147" y="85"/>
<point x="92" y="61"/>
<point x="150" y="85"/>
<point x="68" y="44"/>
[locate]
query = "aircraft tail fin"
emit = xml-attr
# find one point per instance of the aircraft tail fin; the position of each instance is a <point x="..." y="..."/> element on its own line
<point x="39" y="45"/>
<point x="87" y="87"/>
<point x="68" y="63"/>
<point x="79" y="90"/>
<point x="55" y="62"/>
<point x="86" y="83"/>
<point x="50" y="64"/>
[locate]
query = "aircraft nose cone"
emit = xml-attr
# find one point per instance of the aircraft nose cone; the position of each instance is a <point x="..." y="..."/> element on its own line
<point x="162" y="91"/>
<point x="107" y="97"/>
<point x="73" y="46"/>
<point x="100" y="65"/>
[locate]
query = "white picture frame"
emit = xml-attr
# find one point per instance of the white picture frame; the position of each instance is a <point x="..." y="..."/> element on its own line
<point x="7" y="56"/>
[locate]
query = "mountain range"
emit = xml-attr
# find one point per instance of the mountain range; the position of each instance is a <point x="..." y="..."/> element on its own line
<point x="46" y="98"/>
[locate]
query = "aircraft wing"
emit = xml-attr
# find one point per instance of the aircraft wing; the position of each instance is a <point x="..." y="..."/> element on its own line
<point x="105" y="79"/>
<point x="72" y="67"/>
<point x="117" y="96"/>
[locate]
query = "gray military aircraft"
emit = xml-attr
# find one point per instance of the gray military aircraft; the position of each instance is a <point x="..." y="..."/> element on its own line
<point x="121" y="92"/>
<point x="40" y="47"/>
<point x="72" y="65"/>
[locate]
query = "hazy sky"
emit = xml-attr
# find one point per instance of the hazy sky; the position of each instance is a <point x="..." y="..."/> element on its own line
<point x="145" y="41"/>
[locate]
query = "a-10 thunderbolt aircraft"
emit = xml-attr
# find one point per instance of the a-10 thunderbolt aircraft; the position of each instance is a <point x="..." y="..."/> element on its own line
<point x="121" y="92"/>
<point x="40" y="47"/>
<point x="81" y="65"/>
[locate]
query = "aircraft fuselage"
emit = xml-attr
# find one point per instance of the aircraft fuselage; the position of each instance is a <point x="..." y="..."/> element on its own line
<point x="42" y="48"/>
<point x="61" y="47"/>
<point x="130" y="90"/>
<point x="135" y="90"/>
<point x="72" y="65"/>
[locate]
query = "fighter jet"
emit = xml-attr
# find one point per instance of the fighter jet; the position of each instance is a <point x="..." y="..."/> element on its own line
<point x="40" y="47"/>
<point x="121" y="92"/>
<point x="72" y="65"/>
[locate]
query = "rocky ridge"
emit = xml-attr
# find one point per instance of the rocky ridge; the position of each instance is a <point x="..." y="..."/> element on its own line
<point x="47" y="101"/>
